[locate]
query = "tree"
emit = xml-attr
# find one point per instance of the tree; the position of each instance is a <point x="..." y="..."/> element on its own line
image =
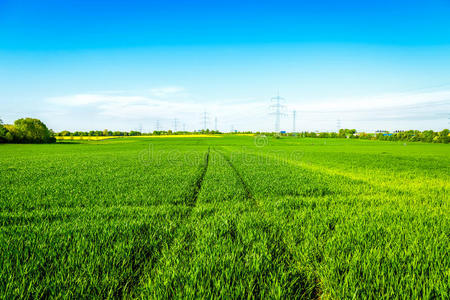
<point x="3" y="132"/>
<point x="9" y="137"/>
<point x="30" y="130"/>
<point x="134" y="133"/>
<point x="427" y="136"/>
<point x="445" y="136"/>
<point x="64" y="133"/>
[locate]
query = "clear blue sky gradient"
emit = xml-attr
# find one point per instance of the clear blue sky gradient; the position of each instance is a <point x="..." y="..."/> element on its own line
<point x="68" y="25"/>
<point x="219" y="51"/>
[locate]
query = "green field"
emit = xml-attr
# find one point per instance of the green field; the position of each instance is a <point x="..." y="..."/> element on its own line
<point x="229" y="217"/>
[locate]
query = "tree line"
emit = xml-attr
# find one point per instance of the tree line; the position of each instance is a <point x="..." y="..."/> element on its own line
<point x="107" y="132"/>
<point x="26" y="130"/>
<point x="428" y="136"/>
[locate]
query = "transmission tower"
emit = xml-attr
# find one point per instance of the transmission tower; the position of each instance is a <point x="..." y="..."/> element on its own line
<point x="215" y="123"/>
<point x="278" y="108"/>
<point x="184" y="126"/>
<point x="175" y="123"/>
<point x="338" y="125"/>
<point x="157" y="125"/>
<point x="293" y="121"/>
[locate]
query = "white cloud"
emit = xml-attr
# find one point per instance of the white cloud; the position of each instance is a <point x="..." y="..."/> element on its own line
<point x="167" y="91"/>
<point x="381" y="103"/>
<point x="394" y="111"/>
<point x="94" y="99"/>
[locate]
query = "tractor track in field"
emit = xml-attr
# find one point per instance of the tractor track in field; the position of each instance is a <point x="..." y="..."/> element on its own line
<point x="248" y="192"/>
<point x="191" y="203"/>
<point x="198" y="183"/>
<point x="316" y="293"/>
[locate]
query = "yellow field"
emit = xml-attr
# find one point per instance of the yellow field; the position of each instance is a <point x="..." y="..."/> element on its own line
<point x="179" y="136"/>
<point x="86" y="138"/>
<point x="100" y="138"/>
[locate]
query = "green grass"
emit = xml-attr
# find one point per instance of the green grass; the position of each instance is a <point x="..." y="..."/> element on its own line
<point x="222" y="218"/>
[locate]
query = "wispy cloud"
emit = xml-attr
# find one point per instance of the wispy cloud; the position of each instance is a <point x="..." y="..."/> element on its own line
<point x="388" y="102"/>
<point x="167" y="91"/>
<point x="166" y="103"/>
<point x="95" y="99"/>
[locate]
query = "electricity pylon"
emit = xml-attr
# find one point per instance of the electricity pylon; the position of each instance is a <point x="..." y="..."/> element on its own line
<point x="293" y="121"/>
<point x="278" y="108"/>
<point x="204" y="119"/>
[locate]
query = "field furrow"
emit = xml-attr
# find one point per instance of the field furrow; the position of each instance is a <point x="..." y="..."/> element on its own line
<point x="244" y="184"/>
<point x="198" y="183"/>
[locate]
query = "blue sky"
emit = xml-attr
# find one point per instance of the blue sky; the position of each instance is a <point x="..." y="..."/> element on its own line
<point x="124" y="65"/>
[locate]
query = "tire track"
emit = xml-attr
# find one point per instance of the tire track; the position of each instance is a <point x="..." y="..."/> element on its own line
<point x="198" y="183"/>
<point x="247" y="189"/>
<point x="297" y="289"/>
<point x="190" y="202"/>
